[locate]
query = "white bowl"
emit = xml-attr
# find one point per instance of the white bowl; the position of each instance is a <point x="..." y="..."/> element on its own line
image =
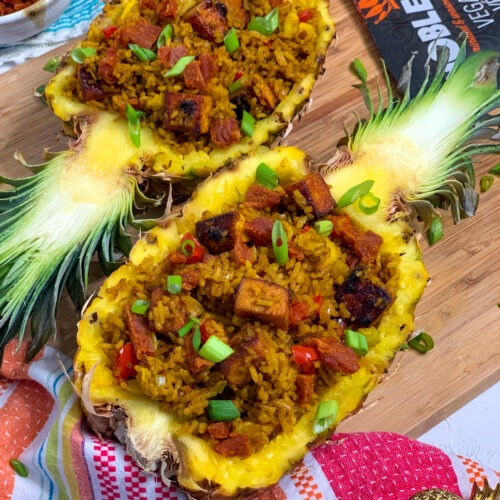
<point x="30" y="21"/>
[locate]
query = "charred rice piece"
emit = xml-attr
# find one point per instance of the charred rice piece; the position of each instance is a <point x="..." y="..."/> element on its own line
<point x="316" y="193"/>
<point x="263" y="300"/>
<point x="218" y="234"/>
<point x="187" y="112"/>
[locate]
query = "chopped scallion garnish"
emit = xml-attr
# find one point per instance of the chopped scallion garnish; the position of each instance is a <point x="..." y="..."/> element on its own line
<point x="323" y="227"/>
<point x="495" y="170"/>
<point x="188" y="326"/>
<point x="486" y="182"/>
<point x="231" y="41"/>
<point x="197" y="337"/>
<point x="142" y="53"/>
<point x="266" y="176"/>
<point x="174" y="283"/>
<point x="265" y="25"/>
<point x="325" y="416"/>
<point x="81" y="53"/>
<point x="234" y="86"/>
<point x="52" y="64"/>
<point x="247" y="123"/>
<point x="179" y="66"/>
<point x="19" y="467"/>
<point x="435" y="231"/>
<point x="165" y="35"/>
<point x="222" y="410"/>
<point x="423" y="342"/>
<point x="140" y="306"/>
<point x="215" y="350"/>
<point x="368" y="203"/>
<point x="280" y="243"/>
<point x="134" y="126"/>
<point x="352" y="194"/>
<point x="356" y="341"/>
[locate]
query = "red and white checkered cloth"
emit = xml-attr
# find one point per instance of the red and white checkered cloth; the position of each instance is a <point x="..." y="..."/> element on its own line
<point x="41" y="424"/>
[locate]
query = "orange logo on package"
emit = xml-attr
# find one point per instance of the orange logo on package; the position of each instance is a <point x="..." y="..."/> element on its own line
<point x="378" y="9"/>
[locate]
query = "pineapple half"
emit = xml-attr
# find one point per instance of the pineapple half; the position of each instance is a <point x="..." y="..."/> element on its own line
<point x="413" y="151"/>
<point x="159" y="90"/>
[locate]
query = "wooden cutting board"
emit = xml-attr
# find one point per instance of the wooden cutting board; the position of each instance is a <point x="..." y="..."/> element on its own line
<point x="460" y="307"/>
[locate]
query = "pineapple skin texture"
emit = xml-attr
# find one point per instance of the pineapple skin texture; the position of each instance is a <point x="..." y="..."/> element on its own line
<point x="150" y="433"/>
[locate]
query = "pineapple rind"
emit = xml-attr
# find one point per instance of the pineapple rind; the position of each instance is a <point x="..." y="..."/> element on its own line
<point x="199" y="464"/>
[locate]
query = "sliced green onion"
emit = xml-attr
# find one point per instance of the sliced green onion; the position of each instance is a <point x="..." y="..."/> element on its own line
<point x="280" y="243"/>
<point x="165" y="35"/>
<point x="351" y="195"/>
<point x="140" y="306"/>
<point x="40" y="93"/>
<point x="19" y="467"/>
<point x="174" y="283"/>
<point x="486" y="182"/>
<point x="323" y="227"/>
<point x="247" y="123"/>
<point x="423" y="342"/>
<point x="325" y="416"/>
<point x="234" y="86"/>
<point x="222" y="410"/>
<point x="435" y="231"/>
<point x="265" y="25"/>
<point x="52" y="64"/>
<point x="368" y="203"/>
<point x="187" y="247"/>
<point x="197" y="338"/>
<point x="188" y="326"/>
<point x="495" y="170"/>
<point x="266" y="176"/>
<point x="356" y="341"/>
<point x="81" y="53"/>
<point x="215" y="350"/>
<point x="231" y="41"/>
<point x="134" y="125"/>
<point x="179" y="66"/>
<point x="142" y="53"/>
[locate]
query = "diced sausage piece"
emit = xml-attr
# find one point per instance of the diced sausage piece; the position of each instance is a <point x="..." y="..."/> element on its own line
<point x="207" y="21"/>
<point x="190" y="278"/>
<point x="259" y="230"/>
<point x="167" y="9"/>
<point x="335" y="355"/>
<point x="234" y="11"/>
<point x="238" y="445"/>
<point x="242" y="252"/>
<point x="193" y="77"/>
<point x="147" y="5"/>
<point x="187" y="113"/>
<point x="91" y="90"/>
<point x="225" y="131"/>
<point x="168" y="55"/>
<point x="259" y="196"/>
<point x="298" y="312"/>
<point x="140" y="32"/>
<point x="365" y="244"/>
<point x="194" y="361"/>
<point x="218" y="234"/>
<point x="247" y="351"/>
<point x="141" y="337"/>
<point x="364" y="300"/>
<point x="263" y="300"/>
<point x="208" y="64"/>
<point x="316" y="193"/>
<point x="107" y="65"/>
<point x="304" y="385"/>
<point x="219" y="430"/>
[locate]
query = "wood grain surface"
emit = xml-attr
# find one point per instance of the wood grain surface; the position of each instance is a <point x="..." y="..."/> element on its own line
<point x="460" y="307"/>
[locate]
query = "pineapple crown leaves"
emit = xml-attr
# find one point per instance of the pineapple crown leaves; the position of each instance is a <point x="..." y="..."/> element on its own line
<point x="448" y="120"/>
<point x="48" y="244"/>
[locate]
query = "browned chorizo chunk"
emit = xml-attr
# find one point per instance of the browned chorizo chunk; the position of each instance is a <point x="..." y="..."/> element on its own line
<point x="225" y="131"/>
<point x="258" y="196"/>
<point x="168" y="55"/>
<point x="242" y="252"/>
<point x="219" y="430"/>
<point x="190" y="278"/>
<point x="91" y="90"/>
<point x="364" y="300"/>
<point x="316" y="193"/>
<point x="304" y="385"/>
<point x="259" y="230"/>
<point x="218" y="234"/>
<point x="263" y="300"/>
<point x="107" y="65"/>
<point x="193" y="77"/>
<point x="140" y="335"/>
<point x="187" y="113"/>
<point x="167" y="9"/>
<point x="194" y="361"/>
<point x="234" y="11"/>
<point x="334" y="355"/>
<point x="207" y="21"/>
<point x="140" y="32"/>
<point x="208" y="64"/>
<point x="238" y="445"/>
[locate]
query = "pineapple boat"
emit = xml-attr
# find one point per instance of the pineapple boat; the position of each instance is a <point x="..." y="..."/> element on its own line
<point x="159" y="90"/>
<point x="265" y="309"/>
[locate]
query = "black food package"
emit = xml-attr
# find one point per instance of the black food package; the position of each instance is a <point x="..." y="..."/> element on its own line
<point x="402" y="28"/>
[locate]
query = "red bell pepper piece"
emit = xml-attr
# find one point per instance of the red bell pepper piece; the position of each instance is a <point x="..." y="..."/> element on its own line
<point x="109" y="31"/>
<point x="305" y="356"/>
<point x="305" y="15"/>
<point x="125" y="362"/>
